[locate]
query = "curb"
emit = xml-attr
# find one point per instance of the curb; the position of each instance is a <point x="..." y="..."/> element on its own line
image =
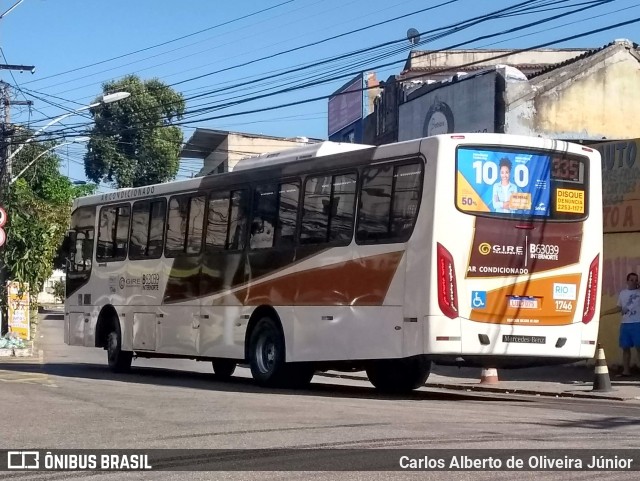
<point x="500" y="390"/>
<point x="29" y="352"/>
<point x="17" y="353"/>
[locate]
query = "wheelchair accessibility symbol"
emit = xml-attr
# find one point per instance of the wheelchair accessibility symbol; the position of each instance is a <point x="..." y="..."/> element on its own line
<point x="478" y="299"/>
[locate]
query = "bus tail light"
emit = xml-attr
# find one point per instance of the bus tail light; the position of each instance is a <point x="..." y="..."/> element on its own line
<point x="447" y="290"/>
<point x="592" y="288"/>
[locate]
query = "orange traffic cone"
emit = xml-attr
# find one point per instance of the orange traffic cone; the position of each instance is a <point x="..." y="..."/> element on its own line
<point x="601" y="380"/>
<point x="489" y="376"/>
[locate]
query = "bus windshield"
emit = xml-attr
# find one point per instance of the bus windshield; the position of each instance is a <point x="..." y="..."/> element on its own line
<point x="516" y="183"/>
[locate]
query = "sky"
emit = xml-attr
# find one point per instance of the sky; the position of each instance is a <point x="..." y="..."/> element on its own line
<point x="224" y="50"/>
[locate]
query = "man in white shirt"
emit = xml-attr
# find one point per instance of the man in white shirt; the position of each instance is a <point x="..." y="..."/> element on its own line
<point x="629" y="306"/>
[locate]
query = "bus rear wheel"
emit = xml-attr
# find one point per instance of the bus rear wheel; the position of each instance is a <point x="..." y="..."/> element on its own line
<point x="223" y="368"/>
<point x="267" y="353"/>
<point x="267" y="358"/>
<point x="399" y="375"/>
<point x="119" y="360"/>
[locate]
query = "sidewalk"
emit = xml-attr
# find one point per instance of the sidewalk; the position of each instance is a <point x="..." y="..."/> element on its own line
<point x="573" y="380"/>
<point x="30" y="349"/>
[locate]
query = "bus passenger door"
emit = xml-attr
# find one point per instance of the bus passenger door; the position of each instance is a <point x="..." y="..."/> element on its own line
<point x="179" y="322"/>
<point x="222" y="325"/>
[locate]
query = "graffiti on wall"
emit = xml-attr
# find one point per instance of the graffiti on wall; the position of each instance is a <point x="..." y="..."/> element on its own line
<point x="620" y="185"/>
<point x="614" y="273"/>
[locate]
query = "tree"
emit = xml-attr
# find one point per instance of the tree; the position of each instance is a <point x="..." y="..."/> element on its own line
<point x="132" y="142"/>
<point x="39" y="208"/>
<point x="59" y="290"/>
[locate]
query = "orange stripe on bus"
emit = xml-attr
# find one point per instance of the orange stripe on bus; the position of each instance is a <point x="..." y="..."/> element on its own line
<point x="358" y="282"/>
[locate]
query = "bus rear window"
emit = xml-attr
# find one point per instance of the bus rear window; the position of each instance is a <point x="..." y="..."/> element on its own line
<point x="510" y="182"/>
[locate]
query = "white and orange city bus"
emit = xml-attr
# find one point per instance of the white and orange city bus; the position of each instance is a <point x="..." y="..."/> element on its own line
<point x="473" y="249"/>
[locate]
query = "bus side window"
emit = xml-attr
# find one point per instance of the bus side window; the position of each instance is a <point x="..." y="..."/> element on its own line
<point x="237" y="220"/>
<point x="217" y="221"/>
<point x="287" y="214"/>
<point x="113" y="234"/>
<point x="343" y="197"/>
<point x="156" y="229"/>
<point x="265" y="212"/>
<point x="327" y="215"/>
<point x="82" y="223"/>
<point x="375" y="203"/>
<point x="184" y="225"/>
<point x="389" y="201"/>
<point x="85" y="239"/>
<point x="147" y="229"/>
<point x="196" y="224"/>
<point x="315" y="212"/>
<point x="406" y="197"/>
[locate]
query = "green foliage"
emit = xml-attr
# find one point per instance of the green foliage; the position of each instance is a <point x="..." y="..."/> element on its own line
<point x="131" y="143"/>
<point x="59" y="290"/>
<point x="39" y="208"/>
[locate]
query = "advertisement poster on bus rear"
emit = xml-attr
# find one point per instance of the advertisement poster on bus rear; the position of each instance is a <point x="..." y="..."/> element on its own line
<point x="503" y="182"/>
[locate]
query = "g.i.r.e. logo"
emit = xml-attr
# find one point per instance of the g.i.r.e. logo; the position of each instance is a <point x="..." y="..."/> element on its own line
<point x="484" y="248"/>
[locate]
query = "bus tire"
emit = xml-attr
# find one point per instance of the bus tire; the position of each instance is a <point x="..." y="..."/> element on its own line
<point x="267" y="354"/>
<point x="119" y="360"/>
<point x="399" y="375"/>
<point x="223" y="368"/>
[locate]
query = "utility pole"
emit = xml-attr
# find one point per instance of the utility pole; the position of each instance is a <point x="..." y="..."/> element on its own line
<point x="6" y="169"/>
<point x="7" y="132"/>
<point x="6" y="172"/>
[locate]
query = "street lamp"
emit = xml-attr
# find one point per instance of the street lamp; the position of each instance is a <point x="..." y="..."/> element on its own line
<point x="72" y="141"/>
<point x="105" y="99"/>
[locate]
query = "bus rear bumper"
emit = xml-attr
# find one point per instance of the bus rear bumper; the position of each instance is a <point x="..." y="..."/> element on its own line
<point x="500" y="362"/>
<point x="469" y="343"/>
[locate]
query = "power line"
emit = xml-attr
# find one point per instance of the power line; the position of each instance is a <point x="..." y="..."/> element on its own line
<point x="469" y="64"/>
<point x="451" y="28"/>
<point x="324" y="40"/>
<point x="164" y="43"/>
<point x="385" y="65"/>
<point x="351" y="74"/>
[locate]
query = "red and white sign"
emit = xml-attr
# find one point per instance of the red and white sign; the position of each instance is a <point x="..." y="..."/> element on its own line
<point x="3" y="221"/>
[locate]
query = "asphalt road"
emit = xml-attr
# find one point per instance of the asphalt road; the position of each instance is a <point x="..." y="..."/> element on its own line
<point x="68" y="399"/>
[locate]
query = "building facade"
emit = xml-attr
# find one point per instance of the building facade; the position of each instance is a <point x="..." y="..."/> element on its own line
<point x="221" y="150"/>
<point x="621" y="218"/>
<point x="585" y="95"/>
<point x="349" y="106"/>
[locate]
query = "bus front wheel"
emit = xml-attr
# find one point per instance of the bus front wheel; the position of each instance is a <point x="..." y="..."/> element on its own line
<point x="223" y="368"/>
<point x="399" y="375"/>
<point x="119" y="360"/>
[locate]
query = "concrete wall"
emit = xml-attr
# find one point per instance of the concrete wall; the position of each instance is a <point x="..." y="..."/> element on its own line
<point x="464" y="105"/>
<point x="216" y="159"/>
<point x="241" y="147"/>
<point x="621" y="217"/>
<point x="621" y="256"/>
<point x="353" y="133"/>
<point x="525" y="61"/>
<point x="237" y="147"/>
<point x="590" y="99"/>
<point x="46" y="296"/>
